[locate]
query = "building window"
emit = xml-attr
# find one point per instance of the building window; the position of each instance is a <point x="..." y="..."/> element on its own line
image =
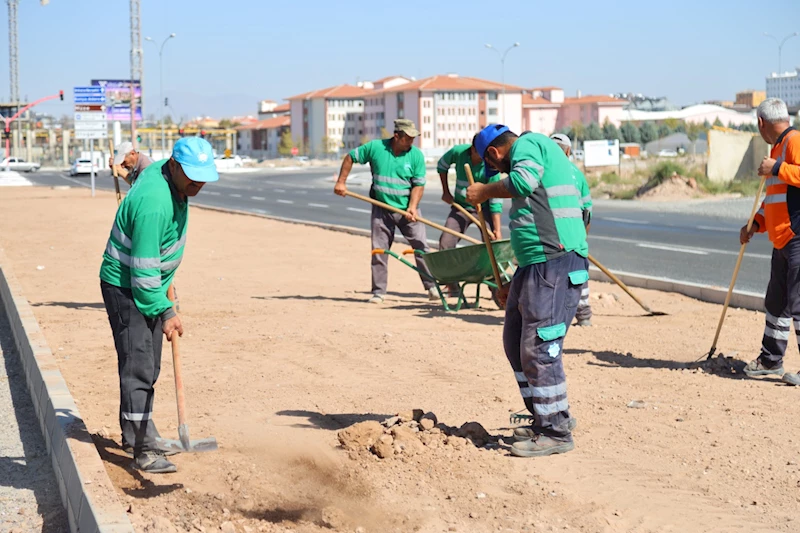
<point x="492" y="96"/>
<point x="401" y="113"/>
<point x="492" y="111"/>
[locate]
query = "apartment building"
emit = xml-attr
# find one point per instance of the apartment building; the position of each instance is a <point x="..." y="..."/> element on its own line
<point x="785" y="86"/>
<point x="261" y="139"/>
<point x="546" y="109"/>
<point x="328" y="120"/>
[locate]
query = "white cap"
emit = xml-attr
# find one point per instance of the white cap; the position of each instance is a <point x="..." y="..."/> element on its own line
<point x="561" y="139"/>
<point x="122" y="150"/>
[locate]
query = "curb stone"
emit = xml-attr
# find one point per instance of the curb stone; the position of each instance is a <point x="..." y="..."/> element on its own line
<point x="86" y="490"/>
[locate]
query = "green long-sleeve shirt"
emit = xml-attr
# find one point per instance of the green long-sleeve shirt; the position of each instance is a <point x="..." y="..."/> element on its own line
<point x="459" y="156"/>
<point x="147" y="241"/>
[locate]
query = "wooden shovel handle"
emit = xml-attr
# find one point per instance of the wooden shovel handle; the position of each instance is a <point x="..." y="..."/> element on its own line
<point x="485" y="232"/>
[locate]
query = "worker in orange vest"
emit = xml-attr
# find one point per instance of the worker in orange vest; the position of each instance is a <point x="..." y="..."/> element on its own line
<point x="779" y="216"/>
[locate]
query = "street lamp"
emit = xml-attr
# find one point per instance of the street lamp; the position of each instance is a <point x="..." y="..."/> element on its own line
<point x="161" y="87"/>
<point x="503" y="72"/>
<point x="780" y="47"/>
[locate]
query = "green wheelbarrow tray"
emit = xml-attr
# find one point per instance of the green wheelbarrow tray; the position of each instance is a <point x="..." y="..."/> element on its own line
<point x="469" y="264"/>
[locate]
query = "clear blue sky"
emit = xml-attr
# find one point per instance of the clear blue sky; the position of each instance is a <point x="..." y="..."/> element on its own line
<point x="228" y="55"/>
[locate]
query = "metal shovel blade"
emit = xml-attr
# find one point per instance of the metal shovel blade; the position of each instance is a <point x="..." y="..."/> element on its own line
<point x="185" y="444"/>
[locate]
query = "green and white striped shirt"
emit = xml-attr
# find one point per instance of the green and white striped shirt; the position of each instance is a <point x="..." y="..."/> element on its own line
<point x="147" y="241"/>
<point x="393" y="176"/>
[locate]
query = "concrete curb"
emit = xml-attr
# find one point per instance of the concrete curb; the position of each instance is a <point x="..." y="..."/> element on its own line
<point x="704" y="293"/>
<point x="86" y="490"/>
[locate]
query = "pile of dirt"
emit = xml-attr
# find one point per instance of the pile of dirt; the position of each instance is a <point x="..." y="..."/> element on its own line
<point x="411" y="433"/>
<point x="673" y="188"/>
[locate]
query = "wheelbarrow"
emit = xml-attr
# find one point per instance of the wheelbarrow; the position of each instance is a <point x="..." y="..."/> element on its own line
<point x="465" y="265"/>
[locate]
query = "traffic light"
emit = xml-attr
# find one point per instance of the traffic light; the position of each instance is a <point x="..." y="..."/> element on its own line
<point x="202" y="134"/>
<point x="166" y="102"/>
<point x="181" y="132"/>
<point x="138" y="138"/>
<point x="61" y="95"/>
<point x="6" y="134"/>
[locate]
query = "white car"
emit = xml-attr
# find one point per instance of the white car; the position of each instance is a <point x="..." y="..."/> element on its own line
<point x="227" y="163"/>
<point x="82" y="166"/>
<point x="19" y="165"/>
<point x="667" y="153"/>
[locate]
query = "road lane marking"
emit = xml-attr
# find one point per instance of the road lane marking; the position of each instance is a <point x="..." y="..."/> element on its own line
<point x="671" y="248"/>
<point x="257" y="198"/>
<point x="213" y="193"/>
<point x="359" y="210"/>
<point x="624" y="220"/>
<point x="280" y="190"/>
<point x="282" y="201"/>
<point x="717" y="228"/>
<point x="318" y="205"/>
<point x="235" y="195"/>
<point x="709" y="250"/>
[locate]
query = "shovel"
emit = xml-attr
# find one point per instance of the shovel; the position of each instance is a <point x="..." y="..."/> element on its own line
<point x="184" y="444"/>
<point x="114" y="171"/>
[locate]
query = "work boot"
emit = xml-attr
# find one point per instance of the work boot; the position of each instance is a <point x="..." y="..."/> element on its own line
<point x="527" y="432"/>
<point x="433" y="294"/>
<point x="756" y="368"/>
<point x="541" y="445"/>
<point x="128" y="450"/>
<point x="791" y="379"/>
<point x="376" y="299"/>
<point x="586" y="322"/>
<point x="154" y="462"/>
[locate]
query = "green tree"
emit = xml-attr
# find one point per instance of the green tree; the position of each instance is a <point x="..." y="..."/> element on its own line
<point x="672" y="124"/>
<point x="227" y="123"/>
<point x="610" y="131"/>
<point x="693" y="131"/>
<point x="630" y="133"/>
<point x="796" y="122"/>
<point x="286" y="144"/>
<point x="706" y="125"/>
<point x="664" y="130"/>
<point x="593" y="132"/>
<point x="168" y="121"/>
<point x="717" y="122"/>
<point x="300" y="144"/>
<point x="680" y="127"/>
<point x="648" y="132"/>
<point x="325" y="145"/>
<point x="577" y="132"/>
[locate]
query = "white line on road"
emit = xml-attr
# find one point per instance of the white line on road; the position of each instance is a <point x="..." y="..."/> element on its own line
<point x="257" y="198"/>
<point x="235" y="195"/>
<point x="359" y="210"/>
<point x="716" y="228"/>
<point x="281" y="201"/>
<point x="318" y="205"/>
<point x="280" y="190"/>
<point x="213" y="193"/>
<point x="709" y="250"/>
<point x="671" y="248"/>
<point x="624" y="220"/>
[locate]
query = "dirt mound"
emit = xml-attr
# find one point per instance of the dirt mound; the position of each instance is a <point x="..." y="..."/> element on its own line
<point x="403" y="435"/>
<point x="673" y="188"/>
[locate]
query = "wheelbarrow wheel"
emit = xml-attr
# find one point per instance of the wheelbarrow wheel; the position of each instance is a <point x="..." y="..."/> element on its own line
<point x="496" y="300"/>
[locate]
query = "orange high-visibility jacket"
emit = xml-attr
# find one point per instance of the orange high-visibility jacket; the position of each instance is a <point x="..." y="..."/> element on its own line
<point x="780" y="211"/>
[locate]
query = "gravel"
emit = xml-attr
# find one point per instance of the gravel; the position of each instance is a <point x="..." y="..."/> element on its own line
<point x="29" y="496"/>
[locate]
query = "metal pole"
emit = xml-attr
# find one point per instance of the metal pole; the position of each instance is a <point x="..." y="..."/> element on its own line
<point x="503" y="72"/>
<point x="161" y="95"/>
<point x="91" y="159"/>
<point x="780" y="51"/>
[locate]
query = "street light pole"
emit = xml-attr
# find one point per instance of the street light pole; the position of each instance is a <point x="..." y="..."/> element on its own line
<point x="161" y="88"/>
<point x="503" y="71"/>
<point x="780" y="48"/>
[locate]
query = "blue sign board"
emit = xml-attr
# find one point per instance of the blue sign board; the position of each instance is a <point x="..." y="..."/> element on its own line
<point x="91" y="99"/>
<point x="90" y="90"/>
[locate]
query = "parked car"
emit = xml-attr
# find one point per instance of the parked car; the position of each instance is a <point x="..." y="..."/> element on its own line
<point x="227" y="163"/>
<point x="247" y="160"/>
<point x="667" y="153"/>
<point x="82" y="166"/>
<point x="19" y="165"/>
<point x="578" y="155"/>
<point x="300" y="159"/>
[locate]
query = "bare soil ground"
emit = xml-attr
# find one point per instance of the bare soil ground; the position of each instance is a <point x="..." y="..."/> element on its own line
<point x="281" y="353"/>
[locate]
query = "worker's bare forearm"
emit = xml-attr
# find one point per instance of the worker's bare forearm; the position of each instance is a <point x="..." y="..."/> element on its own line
<point x="344" y="171"/>
<point x="497" y="189"/>
<point x="445" y="185"/>
<point x="496" y="221"/>
<point x="416" y="196"/>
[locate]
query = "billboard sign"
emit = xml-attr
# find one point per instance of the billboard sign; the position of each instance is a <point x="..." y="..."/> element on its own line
<point x="601" y="153"/>
<point x="118" y="98"/>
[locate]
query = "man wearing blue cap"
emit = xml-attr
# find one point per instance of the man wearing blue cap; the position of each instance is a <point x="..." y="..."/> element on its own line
<point x="549" y="241"/>
<point x="141" y="257"/>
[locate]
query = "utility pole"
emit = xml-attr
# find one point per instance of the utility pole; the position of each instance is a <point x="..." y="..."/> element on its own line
<point x="162" y="103"/>
<point x="780" y="48"/>
<point x="503" y="72"/>
<point x="137" y="63"/>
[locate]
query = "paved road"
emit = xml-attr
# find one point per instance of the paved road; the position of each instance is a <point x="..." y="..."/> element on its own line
<point x="29" y="495"/>
<point x="699" y="247"/>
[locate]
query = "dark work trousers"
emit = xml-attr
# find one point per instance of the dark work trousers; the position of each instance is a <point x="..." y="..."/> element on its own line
<point x="383" y="224"/>
<point x="459" y="222"/>
<point x="782" y="303"/>
<point x="138" y="343"/>
<point x="584" y="311"/>
<point x="541" y="305"/>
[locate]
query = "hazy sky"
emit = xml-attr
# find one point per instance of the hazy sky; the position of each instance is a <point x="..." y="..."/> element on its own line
<point x="228" y="55"/>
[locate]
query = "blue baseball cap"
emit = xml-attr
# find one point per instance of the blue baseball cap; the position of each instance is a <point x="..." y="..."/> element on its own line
<point x="196" y="159"/>
<point x="484" y="139"/>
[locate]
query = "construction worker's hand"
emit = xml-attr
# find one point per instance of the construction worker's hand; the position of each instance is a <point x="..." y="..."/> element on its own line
<point x="502" y="295"/>
<point x="744" y="235"/>
<point x="412" y="214"/>
<point x="498" y="236"/>
<point x="765" y="169"/>
<point x="340" y="189"/>
<point x="172" y="326"/>
<point x="111" y="162"/>
<point x="476" y="194"/>
<point x="447" y="197"/>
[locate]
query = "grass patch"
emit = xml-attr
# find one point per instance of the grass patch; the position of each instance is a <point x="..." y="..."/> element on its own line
<point x="625" y="194"/>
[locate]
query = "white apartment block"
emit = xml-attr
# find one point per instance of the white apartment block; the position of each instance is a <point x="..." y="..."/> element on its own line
<point x="785" y="86"/>
<point x="333" y="116"/>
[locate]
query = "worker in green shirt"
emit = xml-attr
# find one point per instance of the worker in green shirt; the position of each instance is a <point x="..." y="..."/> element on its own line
<point x="460" y="155"/>
<point x="584" y="313"/>
<point x="549" y="241"/>
<point x="398" y="179"/>
<point x="140" y="260"/>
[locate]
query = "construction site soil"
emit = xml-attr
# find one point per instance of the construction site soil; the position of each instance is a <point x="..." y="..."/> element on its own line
<point x="311" y="393"/>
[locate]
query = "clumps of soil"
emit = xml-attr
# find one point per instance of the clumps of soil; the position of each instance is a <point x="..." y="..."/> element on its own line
<point x="412" y="433"/>
<point x="721" y="364"/>
<point x="674" y="187"/>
